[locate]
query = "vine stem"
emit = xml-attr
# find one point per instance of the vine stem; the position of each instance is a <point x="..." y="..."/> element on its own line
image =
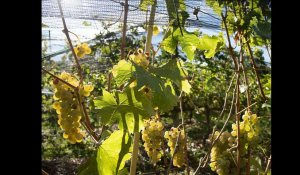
<point x="268" y="165"/>
<point x="109" y="81"/>
<point x="44" y="172"/>
<point x="246" y="108"/>
<point x="150" y="28"/>
<point x="66" y="32"/>
<point x="237" y="103"/>
<point x="54" y="76"/>
<point x="229" y="42"/>
<point x="244" y="74"/>
<point x="177" y="16"/>
<point x="87" y="119"/>
<point x="226" y="95"/>
<point x="237" y="118"/>
<point x="136" y="139"/>
<point x="255" y="70"/>
<point x="124" y="30"/>
<point x="80" y="101"/>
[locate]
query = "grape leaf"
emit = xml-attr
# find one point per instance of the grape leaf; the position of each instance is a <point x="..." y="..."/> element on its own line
<point x="169" y="70"/>
<point x="169" y="43"/>
<point x="110" y="111"/>
<point x="145" y="78"/>
<point x="89" y="168"/>
<point x="129" y="121"/>
<point x="186" y="86"/>
<point x="167" y="99"/>
<point x="122" y="72"/>
<point x="208" y="43"/>
<point x="164" y="95"/>
<point x="113" y="153"/>
<point x="145" y="3"/>
<point x="173" y="71"/>
<point x="189" y="42"/>
<point x="215" y="6"/>
<point x="108" y="107"/>
<point x="177" y="6"/>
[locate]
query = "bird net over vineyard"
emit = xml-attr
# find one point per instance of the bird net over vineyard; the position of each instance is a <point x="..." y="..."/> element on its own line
<point x="88" y="17"/>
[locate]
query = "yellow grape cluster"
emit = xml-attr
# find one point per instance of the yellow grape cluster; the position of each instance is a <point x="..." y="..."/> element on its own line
<point x="225" y="148"/>
<point x="140" y="58"/>
<point x="220" y="157"/>
<point x="67" y="107"/>
<point x="179" y="156"/>
<point x="152" y="135"/>
<point x="249" y="128"/>
<point x="82" y="49"/>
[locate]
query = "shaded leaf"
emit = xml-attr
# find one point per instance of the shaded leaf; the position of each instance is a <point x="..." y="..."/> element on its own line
<point x="89" y="168"/>
<point x="173" y="71"/>
<point x="169" y="43"/>
<point x="164" y="95"/>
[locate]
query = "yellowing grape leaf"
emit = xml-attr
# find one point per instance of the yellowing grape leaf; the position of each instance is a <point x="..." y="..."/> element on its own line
<point x="186" y="86"/>
<point x="113" y="153"/>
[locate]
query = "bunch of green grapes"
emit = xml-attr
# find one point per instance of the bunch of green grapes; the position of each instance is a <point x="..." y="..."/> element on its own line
<point x="152" y="135"/>
<point x="140" y="58"/>
<point x="220" y="156"/>
<point x="224" y="152"/>
<point x="249" y="128"/>
<point x="249" y="136"/>
<point x="67" y="106"/>
<point x="179" y="158"/>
